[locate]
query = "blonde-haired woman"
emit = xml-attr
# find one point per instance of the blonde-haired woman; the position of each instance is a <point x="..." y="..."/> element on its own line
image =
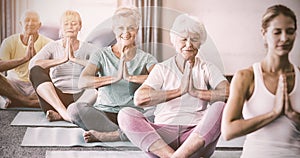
<point x="65" y="58"/>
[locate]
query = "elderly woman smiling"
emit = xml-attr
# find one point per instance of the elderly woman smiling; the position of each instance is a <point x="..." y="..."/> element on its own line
<point x="114" y="70"/>
<point x="181" y="88"/>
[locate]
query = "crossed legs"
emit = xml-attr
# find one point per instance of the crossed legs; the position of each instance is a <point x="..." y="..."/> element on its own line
<point x="165" y="141"/>
<point x="53" y="101"/>
<point x="98" y="125"/>
<point x="18" y="97"/>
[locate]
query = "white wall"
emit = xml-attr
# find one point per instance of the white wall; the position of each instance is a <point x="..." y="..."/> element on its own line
<point x="92" y="12"/>
<point x="234" y="26"/>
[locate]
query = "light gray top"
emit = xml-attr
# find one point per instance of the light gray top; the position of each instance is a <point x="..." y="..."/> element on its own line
<point x="65" y="76"/>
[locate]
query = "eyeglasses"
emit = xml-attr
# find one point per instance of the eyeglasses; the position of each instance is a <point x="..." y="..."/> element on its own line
<point x="129" y="28"/>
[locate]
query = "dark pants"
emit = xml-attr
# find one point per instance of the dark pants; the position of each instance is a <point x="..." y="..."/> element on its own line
<point x="38" y="75"/>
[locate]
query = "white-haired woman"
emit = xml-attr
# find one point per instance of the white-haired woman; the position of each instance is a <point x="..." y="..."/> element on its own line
<point x="116" y="71"/>
<point x="181" y="88"/>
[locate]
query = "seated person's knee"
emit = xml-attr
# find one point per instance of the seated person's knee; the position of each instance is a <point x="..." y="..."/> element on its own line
<point x="128" y="113"/>
<point x="74" y="109"/>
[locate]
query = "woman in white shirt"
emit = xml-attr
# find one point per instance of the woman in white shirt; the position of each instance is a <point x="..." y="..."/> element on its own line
<point x="181" y="87"/>
<point x="65" y="58"/>
<point x="264" y="101"/>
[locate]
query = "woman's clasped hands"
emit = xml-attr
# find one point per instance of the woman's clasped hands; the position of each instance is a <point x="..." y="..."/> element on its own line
<point x="283" y="105"/>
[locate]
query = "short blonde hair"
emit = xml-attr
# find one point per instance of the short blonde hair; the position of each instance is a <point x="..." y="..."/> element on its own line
<point x="127" y="12"/>
<point x="71" y="13"/>
<point x="187" y="23"/>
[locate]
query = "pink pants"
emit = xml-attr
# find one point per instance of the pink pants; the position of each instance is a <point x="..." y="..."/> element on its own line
<point x="143" y="133"/>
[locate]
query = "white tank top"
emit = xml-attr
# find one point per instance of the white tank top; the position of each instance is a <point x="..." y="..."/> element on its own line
<point x="280" y="138"/>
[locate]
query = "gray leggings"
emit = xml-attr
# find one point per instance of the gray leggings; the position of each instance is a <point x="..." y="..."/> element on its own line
<point x="89" y="118"/>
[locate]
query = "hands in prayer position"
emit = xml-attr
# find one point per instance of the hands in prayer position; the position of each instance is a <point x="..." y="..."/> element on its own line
<point x="126" y="54"/>
<point x="30" y="51"/>
<point x="282" y="103"/>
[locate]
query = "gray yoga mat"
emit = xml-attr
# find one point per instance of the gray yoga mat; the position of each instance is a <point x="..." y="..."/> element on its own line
<point x="227" y="154"/>
<point x="57" y="136"/>
<point x="21" y="109"/>
<point x="63" y="137"/>
<point x="124" y="154"/>
<point x="34" y="119"/>
<point x="95" y="154"/>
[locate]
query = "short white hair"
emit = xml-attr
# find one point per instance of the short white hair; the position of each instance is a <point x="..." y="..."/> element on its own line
<point x="126" y="11"/>
<point x="26" y="12"/>
<point x="187" y="23"/>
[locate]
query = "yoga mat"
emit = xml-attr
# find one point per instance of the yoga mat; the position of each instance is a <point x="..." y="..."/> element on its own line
<point x="21" y="109"/>
<point x="234" y="143"/>
<point x="226" y="154"/>
<point x="63" y="137"/>
<point x="96" y="154"/>
<point x="124" y="154"/>
<point x="34" y="119"/>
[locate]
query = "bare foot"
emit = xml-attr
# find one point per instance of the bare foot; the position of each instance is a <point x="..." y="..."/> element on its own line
<point x="53" y="116"/>
<point x="95" y="136"/>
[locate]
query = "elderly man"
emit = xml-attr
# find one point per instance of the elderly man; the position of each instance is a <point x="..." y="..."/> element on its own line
<point x="15" y="52"/>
